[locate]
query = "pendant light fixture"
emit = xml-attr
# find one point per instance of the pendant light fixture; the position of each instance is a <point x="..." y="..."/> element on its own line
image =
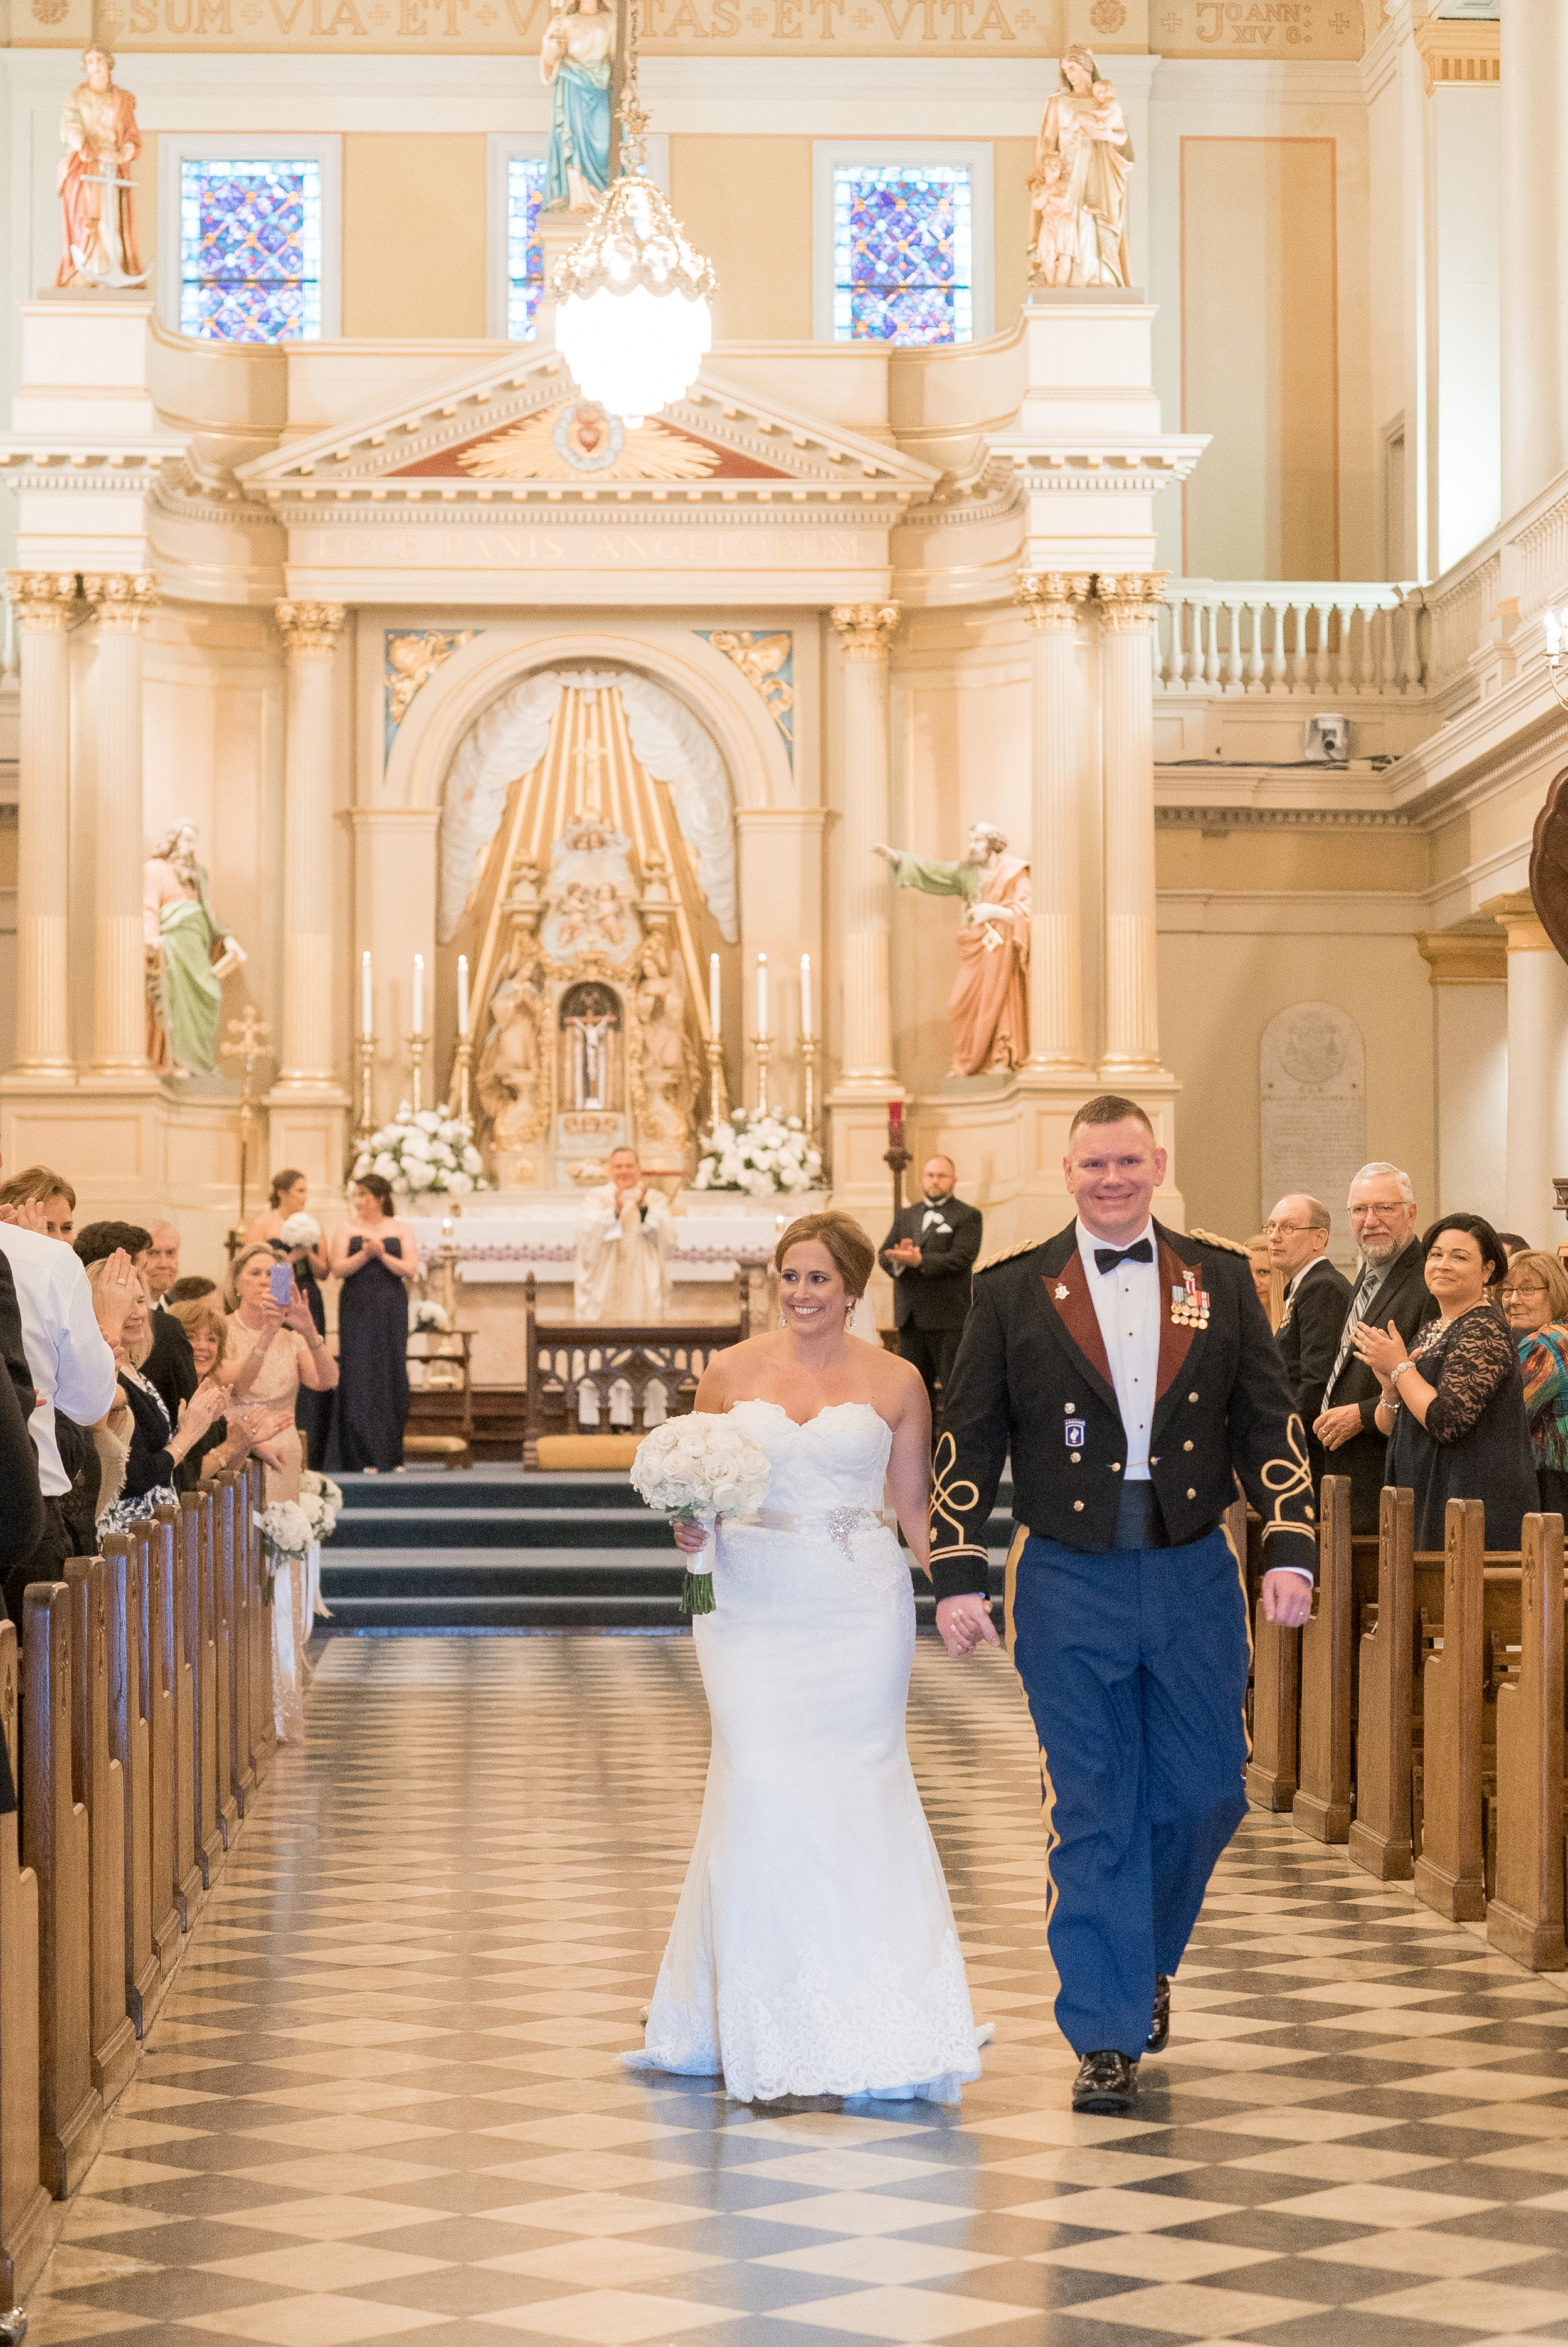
<point x="632" y="320"/>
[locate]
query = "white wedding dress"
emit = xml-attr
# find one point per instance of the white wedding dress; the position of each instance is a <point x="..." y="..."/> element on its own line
<point x="813" y="1950"/>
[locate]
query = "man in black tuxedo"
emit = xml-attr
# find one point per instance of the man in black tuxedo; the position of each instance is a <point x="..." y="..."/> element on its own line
<point x="930" y="1252"/>
<point x="1316" y="1298"/>
<point x="1392" y="1288"/>
<point x="170" y="1367"/>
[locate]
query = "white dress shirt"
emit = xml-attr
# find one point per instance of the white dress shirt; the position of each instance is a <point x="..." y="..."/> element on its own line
<point x="1127" y="1306"/>
<point x="72" y="1365"/>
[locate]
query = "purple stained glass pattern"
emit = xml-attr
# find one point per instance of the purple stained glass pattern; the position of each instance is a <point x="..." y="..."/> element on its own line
<point x="250" y="250"/>
<point x="525" y="256"/>
<point x="903" y="245"/>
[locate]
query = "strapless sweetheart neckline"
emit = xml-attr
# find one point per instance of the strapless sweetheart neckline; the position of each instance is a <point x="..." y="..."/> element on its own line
<point x="760" y="1401"/>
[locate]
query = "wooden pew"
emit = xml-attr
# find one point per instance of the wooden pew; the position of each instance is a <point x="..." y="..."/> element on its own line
<point x="1524" y="1919"/>
<point x="29" y="2220"/>
<point x="1271" y="1775"/>
<point x="242" y="1767"/>
<point x="1481" y="1607"/>
<point x="99" y="1789"/>
<point x="189" y="1889"/>
<point x="1381" y="1839"/>
<point x="158" y="1650"/>
<point x="1321" y="1808"/>
<point x="196" y="1541"/>
<point x="56" y="1846"/>
<point x="130" y="1743"/>
<point x="219" y="1568"/>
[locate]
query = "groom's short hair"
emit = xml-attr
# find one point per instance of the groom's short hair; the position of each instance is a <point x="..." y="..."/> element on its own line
<point x="1110" y="1108"/>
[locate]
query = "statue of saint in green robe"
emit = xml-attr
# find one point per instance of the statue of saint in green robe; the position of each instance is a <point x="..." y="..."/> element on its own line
<point x="184" y="983"/>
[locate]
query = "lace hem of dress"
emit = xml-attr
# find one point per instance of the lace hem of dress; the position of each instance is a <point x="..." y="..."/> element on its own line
<point x="123" y="1513"/>
<point x="808" y="2041"/>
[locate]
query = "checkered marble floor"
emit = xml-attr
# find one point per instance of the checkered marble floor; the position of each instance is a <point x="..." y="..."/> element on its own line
<point x="383" y="2100"/>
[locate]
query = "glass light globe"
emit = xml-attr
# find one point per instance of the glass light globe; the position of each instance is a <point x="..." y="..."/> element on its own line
<point x="634" y="321"/>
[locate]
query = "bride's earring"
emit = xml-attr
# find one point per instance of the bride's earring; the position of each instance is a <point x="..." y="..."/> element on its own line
<point x="783" y="1321"/>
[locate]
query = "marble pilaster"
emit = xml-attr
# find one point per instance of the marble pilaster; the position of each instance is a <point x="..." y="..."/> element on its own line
<point x="1537" y="1067"/>
<point x="121" y="601"/>
<point x="1126" y="607"/>
<point x="310" y="634"/>
<point x="1052" y="604"/>
<point x="45" y="605"/>
<point x="864" y="631"/>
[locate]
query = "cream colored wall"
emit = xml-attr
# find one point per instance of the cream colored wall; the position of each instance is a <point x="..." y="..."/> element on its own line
<point x="413" y="235"/>
<point x="1217" y="994"/>
<point x="1260" y="356"/>
<point x="746" y="202"/>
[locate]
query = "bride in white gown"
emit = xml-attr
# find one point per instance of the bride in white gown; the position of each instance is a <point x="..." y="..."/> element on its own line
<point x="813" y="1951"/>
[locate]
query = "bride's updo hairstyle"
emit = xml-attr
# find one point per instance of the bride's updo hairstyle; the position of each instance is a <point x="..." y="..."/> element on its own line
<point x="854" y="1256"/>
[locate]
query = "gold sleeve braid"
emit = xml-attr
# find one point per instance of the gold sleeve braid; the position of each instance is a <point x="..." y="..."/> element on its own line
<point x="1287" y="1479"/>
<point x="952" y="1500"/>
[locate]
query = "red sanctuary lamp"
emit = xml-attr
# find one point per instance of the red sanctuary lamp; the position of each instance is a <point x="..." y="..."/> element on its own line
<point x="895" y="1155"/>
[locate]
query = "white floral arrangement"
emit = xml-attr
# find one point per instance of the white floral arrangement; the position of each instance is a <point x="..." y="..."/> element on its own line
<point x="429" y="1314"/>
<point x="760" y="1154"/>
<point x="286" y="1530"/>
<point x="321" y="1502"/>
<point x="429" y="1151"/>
<point x="300" y="1230"/>
<point x="697" y="1467"/>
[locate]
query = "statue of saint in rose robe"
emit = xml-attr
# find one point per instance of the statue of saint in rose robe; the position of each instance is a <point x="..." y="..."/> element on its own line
<point x="989" y="1007"/>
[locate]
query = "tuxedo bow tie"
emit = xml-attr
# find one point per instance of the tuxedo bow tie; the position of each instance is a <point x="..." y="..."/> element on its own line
<point x="1107" y="1258"/>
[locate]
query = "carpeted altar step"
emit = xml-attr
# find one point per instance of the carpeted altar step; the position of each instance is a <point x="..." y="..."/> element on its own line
<point x="497" y="1548"/>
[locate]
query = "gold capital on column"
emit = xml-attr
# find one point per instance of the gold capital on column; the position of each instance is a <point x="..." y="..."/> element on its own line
<point x="1051" y="599"/>
<point x="121" y="600"/>
<point x="1130" y="598"/>
<point x="310" y="630"/>
<point x="866" y="630"/>
<point x="43" y="601"/>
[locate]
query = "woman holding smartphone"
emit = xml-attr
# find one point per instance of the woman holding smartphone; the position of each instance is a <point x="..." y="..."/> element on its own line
<point x="375" y="1255"/>
<point x="273" y="1349"/>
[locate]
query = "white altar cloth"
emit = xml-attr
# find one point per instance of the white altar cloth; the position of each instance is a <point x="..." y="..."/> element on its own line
<point x="494" y="1242"/>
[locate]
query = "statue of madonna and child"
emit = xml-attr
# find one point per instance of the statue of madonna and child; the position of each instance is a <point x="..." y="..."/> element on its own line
<point x="575" y="60"/>
<point x="1077" y="188"/>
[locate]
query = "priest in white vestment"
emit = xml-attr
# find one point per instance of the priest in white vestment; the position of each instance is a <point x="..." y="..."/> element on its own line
<point x="623" y="1246"/>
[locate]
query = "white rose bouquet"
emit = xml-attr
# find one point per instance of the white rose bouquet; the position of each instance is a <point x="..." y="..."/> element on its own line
<point x="286" y="1530"/>
<point x="700" y="1467"/>
<point x="320" y="1502"/>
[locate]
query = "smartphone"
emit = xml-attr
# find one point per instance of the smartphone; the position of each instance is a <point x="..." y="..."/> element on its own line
<point x="282" y="1284"/>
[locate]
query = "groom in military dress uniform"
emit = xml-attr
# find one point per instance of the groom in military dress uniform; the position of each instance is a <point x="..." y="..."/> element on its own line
<point x="1130" y="1373"/>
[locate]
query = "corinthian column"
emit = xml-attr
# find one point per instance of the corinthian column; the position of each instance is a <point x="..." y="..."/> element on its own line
<point x="1051" y="603"/>
<point x="310" y="634"/>
<point x="866" y="630"/>
<point x="121" y="601"/>
<point x="1127" y="607"/>
<point x="44" y="603"/>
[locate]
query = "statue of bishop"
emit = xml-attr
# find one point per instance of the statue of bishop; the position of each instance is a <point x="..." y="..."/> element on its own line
<point x="989" y="1007"/>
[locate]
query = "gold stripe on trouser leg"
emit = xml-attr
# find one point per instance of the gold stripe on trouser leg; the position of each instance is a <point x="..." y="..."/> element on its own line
<point x="1240" y="1563"/>
<point x="1047" y="1788"/>
<point x="1010" y="1585"/>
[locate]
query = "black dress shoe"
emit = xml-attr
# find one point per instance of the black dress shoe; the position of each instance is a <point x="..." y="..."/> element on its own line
<point x="1159" y="2035"/>
<point x="1105" y="2084"/>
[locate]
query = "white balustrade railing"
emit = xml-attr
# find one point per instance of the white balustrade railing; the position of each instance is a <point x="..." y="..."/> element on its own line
<point x="1306" y="636"/>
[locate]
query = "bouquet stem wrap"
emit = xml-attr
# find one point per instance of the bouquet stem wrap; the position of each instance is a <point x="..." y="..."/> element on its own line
<point x="701" y="1467"/>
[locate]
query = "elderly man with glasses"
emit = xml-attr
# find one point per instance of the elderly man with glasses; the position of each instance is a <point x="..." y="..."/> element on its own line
<point x="1390" y="1286"/>
<point x="1317" y="1300"/>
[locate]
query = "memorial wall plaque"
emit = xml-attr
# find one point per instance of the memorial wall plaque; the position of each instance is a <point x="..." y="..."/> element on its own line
<point x="1312" y="1090"/>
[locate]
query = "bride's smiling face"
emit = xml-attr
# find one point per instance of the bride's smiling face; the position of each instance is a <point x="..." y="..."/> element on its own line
<point x="812" y="1293"/>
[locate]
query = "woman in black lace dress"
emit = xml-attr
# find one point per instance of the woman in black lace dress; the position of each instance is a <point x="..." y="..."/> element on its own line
<point x="1454" y="1405"/>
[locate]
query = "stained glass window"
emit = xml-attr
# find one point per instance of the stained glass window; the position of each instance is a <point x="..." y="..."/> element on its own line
<point x="903" y="263"/>
<point x="525" y="261"/>
<point x="250" y="250"/>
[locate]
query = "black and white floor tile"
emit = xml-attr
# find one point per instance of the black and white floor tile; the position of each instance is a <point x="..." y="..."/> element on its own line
<point x="383" y="2101"/>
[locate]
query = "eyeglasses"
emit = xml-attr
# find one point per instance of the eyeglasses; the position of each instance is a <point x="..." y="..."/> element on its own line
<point x="1364" y="1213"/>
<point x="1506" y="1294"/>
<point x="1276" y="1230"/>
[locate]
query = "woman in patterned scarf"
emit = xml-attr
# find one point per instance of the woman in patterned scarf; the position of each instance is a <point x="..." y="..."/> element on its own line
<point x="1535" y="1296"/>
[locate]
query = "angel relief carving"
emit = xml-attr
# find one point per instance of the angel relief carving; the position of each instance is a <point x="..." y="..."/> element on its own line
<point x="578" y="438"/>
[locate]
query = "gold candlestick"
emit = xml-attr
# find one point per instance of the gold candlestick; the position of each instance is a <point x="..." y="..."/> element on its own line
<point x="715" y="1083"/>
<point x="762" y="1045"/>
<point x="464" y="1072"/>
<point x="414" y="1048"/>
<point x="364" y="1063"/>
<point x="252" y="1041"/>
<point x="808" y="1051"/>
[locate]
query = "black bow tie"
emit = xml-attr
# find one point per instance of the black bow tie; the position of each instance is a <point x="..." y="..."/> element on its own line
<point x="1107" y="1258"/>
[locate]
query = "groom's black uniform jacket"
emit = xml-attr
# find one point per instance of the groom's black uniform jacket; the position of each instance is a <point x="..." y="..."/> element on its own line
<point x="1032" y="1379"/>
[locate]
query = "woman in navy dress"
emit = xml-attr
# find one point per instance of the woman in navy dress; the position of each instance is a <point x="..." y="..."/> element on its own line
<point x="375" y="1255"/>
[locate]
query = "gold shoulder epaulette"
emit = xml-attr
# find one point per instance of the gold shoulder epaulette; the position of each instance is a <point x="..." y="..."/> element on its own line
<point x="1213" y="1238"/>
<point x="1008" y="1255"/>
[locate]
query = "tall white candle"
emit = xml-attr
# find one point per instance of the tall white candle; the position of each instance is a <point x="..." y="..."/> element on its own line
<point x="806" y="1026"/>
<point x="366" y="1003"/>
<point x="762" y="994"/>
<point x="714" y="1018"/>
<point x="419" y="994"/>
<point x="463" y="996"/>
